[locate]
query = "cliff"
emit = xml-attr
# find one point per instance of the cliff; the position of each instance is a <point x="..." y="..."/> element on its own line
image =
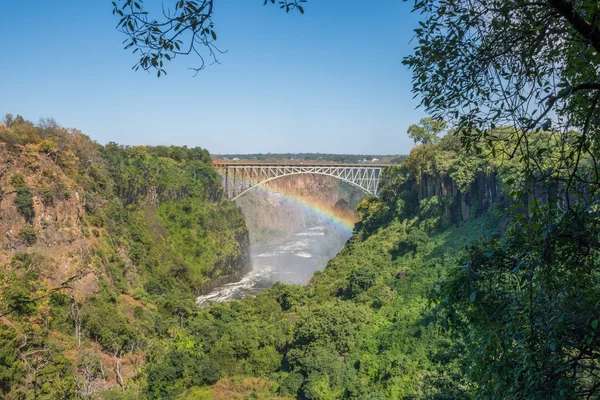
<point x="474" y="201"/>
<point x="102" y="249"/>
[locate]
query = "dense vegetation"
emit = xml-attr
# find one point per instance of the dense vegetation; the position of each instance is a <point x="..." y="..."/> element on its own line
<point x="475" y="274"/>
<point x="113" y="242"/>
<point x="158" y="232"/>
<point x="364" y="328"/>
<point x="443" y="291"/>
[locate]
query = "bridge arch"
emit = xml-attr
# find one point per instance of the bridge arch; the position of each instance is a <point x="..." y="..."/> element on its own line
<point x="300" y="173"/>
<point x="240" y="178"/>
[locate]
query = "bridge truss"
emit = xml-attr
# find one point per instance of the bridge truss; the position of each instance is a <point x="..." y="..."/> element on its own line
<point x="239" y="178"/>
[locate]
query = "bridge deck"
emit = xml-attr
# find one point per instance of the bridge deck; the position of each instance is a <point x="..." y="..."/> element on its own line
<point x="239" y="177"/>
<point x="294" y="164"/>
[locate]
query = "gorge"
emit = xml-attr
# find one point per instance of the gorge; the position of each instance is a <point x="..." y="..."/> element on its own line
<point x="116" y="262"/>
<point x="296" y="224"/>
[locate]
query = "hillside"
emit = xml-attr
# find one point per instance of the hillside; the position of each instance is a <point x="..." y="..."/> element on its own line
<point x="414" y="306"/>
<point x="463" y="279"/>
<point x="363" y="328"/>
<point x="102" y="249"/>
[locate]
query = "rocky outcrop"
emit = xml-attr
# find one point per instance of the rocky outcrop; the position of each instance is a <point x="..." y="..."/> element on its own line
<point x="69" y="247"/>
<point x="483" y="191"/>
<point x="53" y="229"/>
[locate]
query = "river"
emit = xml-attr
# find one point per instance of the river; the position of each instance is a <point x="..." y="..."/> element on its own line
<point x="294" y="261"/>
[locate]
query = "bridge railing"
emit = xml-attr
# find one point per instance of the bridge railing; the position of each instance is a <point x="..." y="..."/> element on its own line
<point x="240" y="177"/>
<point x="291" y="163"/>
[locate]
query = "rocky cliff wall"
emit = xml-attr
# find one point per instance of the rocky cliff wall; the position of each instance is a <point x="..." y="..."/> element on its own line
<point x="79" y="267"/>
<point x="483" y="191"/>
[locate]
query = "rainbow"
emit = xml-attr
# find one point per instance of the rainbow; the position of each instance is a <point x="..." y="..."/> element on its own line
<point x="324" y="212"/>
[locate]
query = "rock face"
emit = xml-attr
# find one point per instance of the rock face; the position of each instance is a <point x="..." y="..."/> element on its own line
<point x="485" y="190"/>
<point x="238" y="264"/>
<point x="283" y="206"/>
<point x="55" y="220"/>
<point x="66" y="230"/>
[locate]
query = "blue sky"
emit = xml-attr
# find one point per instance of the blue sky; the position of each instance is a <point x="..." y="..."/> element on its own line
<point x="330" y="80"/>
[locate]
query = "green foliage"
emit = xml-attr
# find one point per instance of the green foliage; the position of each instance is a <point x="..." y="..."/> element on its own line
<point x="11" y="368"/>
<point x="109" y="328"/>
<point x="289" y="297"/>
<point x="158" y="229"/>
<point x="17" y="181"/>
<point x="427" y="132"/>
<point x="360" y="280"/>
<point x="315" y="342"/>
<point x="16" y="295"/>
<point x="528" y="302"/>
<point x="376" y="323"/>
<point x="24" y="203"/>
<point x="464" y="170"/>
<point x="47" y="147"/>
<point x="28" y="235"/>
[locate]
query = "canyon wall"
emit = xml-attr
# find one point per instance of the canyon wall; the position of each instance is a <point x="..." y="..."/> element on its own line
<point x="276" y="210"/>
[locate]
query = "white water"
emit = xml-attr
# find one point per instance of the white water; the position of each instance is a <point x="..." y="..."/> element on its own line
<point x="294" y="262"/>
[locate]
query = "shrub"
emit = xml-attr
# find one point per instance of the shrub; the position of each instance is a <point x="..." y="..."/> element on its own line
<point x="11" y="369"/>
<point x="46" y="146"/>
<point x="12" y="139"/>
<point x="17" y="298"/>
<point x="106" y="325"/>
<point x="47" y="196"/>
<point x="24" y="203"/>
<point x="17" y="181"/>
<point x="288" y="296"/>
<point x="28" y="235"/>
<point x="264" y="362"/>
<point x="291" y="384"/>
<point x="361" y="280"/>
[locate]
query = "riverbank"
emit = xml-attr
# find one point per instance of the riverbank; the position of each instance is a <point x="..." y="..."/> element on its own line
<point x="292" y="261"/>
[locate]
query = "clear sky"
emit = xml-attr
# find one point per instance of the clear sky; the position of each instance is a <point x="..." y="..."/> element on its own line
<point x="330" y="80"/>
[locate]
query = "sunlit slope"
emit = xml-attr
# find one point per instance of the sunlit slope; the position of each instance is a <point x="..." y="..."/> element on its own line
<point x="362" y="327"/>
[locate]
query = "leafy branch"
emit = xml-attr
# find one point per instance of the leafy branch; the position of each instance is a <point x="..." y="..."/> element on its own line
<point x="185" y="28"/>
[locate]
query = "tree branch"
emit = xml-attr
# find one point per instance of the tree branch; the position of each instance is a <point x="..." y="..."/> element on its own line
<point x="580" y="24"/>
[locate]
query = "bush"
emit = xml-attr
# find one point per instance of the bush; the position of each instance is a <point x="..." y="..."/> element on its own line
<point x="17" y="181"/>
<point x="291" y="384"/>
<point x="24" y="203"/>
<point x="361" y="280"/>
<point x="264" y="362"/>
<point x="11" y="369"/>
<point x="28" y="235"/>
<point x="17" y="298"/>
<point x="46" y="146"/>
<point x="106" y="325"/>
<point x="288" y="296"/>
<point x="47" y="196"/>
<point x="11" y="139"/>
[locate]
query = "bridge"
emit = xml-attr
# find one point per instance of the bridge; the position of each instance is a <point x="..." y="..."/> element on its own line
<point x="241" y="177"/>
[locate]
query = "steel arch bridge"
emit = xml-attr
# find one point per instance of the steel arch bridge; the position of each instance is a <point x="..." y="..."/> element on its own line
<point x="239" y="178"/>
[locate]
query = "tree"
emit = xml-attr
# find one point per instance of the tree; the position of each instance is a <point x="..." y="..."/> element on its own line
<point x="526" y="66"/>
<point x="427" y="131"/>
<point x="182" y="29"/>
<point x="10" y="121"/>
<point x="520" y="81"/>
